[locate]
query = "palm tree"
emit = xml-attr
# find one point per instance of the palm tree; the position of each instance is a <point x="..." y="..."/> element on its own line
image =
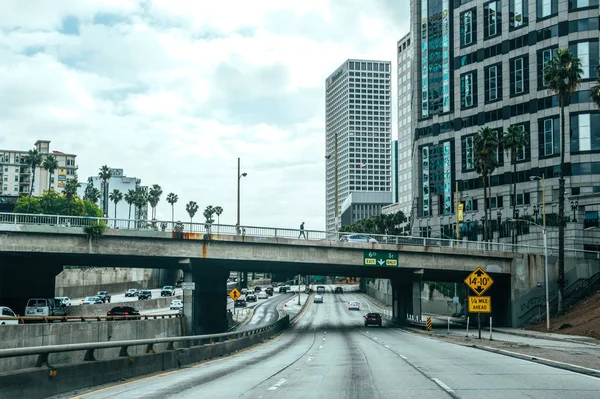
<point x="93" y="195"/>
<point x="595" y="92"/>
<point x="514" y="139"/>
<point x="191" y="208"/>
<point x="209" y="211"/>
<point x="130" y="199"/>
<point x="50" y="164"/>
<point x="486" y="146"/>
<point x="562" y="75"/>
<point x="116" y="196"/>
<point x="172" y="198"/>
<point x="105" y="174"/>
<point x="141" y="199"/>
<point x="70" y="191"/>
<point x="33" y="160"/>
<point x="154" y="197"/>
<point x="218" y="212"/>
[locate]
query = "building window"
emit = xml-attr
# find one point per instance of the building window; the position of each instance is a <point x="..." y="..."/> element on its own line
<point x="492" y="13"/>
<point x="493" y="83"/>
<point x="546" y="8"/>
<point x="523" y="153"/>
<point x="519" y="75"/>
<point x="468" y="90"/>
<point x="468" y="153"/>
<point x="588" y="54"/>
<point x="549" y="136"/>
<point x="543" y="57"/>
<point x="518" y="13"/>
<point x="575" y="4"/>
<point x="468" y="23"/>
<point x="582" y="126"/>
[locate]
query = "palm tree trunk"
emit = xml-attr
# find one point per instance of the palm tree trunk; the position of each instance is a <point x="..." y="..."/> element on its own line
<point x="115" y="215"/>
<point x="172" y="215"/>
<point x="129" y="218"/>
<point x="514" y="179"/>
<point x="31" y="188"/>
<point x="50" y="181"/>
<point x="561" y="211"/>
<point x="485" y="205"/>
<point x="490" y="232"/>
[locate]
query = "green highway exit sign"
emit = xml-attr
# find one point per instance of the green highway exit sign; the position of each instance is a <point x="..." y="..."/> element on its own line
<point x="380" y="258"/>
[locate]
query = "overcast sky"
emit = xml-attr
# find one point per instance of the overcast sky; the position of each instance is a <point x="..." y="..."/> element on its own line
<point x="173" y="91"/>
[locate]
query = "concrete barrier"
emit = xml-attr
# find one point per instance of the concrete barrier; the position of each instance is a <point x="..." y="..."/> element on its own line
<point x="100" y="310"/>
<point x="57" y="379"/>
<point x="21" y="336"/>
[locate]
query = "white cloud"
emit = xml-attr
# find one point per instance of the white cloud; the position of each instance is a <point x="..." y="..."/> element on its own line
<point x="174" y="91"/>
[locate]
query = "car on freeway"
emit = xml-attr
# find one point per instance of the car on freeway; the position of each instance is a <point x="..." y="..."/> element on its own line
<point x="338" y="290"/>
<point x="257" y="288"/>
<point x="130" y="293"/>
<point x="44" y="307"/>
<point x="263" y="295"/>
<point x="176" y="304"/>
<point x="250" y="297"/>
<point x="244" y="291"/>
<point x="269" y="291"/>
<point x="92" y="300"/>
<point x="284" y="289"/>
<point x="123" y="311"/>
<point x="321" y="289"/>
<point x="240" y="303"/>
<point x="357" y="238"/>
<point x="63" y="300"/>
<point x="144" y="294"/>
<point x="104" y="296"/>
<point x="373" y="319"/>
<point x="354" y="305"/>
<point x="167" y="290"/>
<point x="318" y="299"/>
<point x="7" y="312"/>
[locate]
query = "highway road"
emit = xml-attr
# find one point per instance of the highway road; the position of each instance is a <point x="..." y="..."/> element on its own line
<point x="120" y="297"/>
<point x="329" y="354"/>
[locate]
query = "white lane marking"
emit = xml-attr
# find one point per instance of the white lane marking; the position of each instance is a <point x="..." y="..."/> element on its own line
<point x="404" y="357"/>
<point x="309" y="359"/>
<point x="323" y="338"/>
<point x="321" y="347"/>
<point x="277" y="385"/>
<point x="386" y="346"/>
<point x="441" y="384"/>
<point x="375" y="338"/>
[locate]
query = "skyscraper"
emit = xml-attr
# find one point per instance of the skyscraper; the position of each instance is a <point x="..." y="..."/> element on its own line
<point x="357" y="141"/>
<point x="480" y="64"/>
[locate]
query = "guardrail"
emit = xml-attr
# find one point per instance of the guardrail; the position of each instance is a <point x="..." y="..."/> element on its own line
<point x="53" y="319"/>
<point x="276" y="232"/>
<point x="43" y="352"/>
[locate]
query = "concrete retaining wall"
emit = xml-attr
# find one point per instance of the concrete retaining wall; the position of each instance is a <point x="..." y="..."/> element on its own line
<point x="36" y="383"/>
<point x="100" y="310"/>
<point x="26" y="335"/>
<point x="78" y="283"/>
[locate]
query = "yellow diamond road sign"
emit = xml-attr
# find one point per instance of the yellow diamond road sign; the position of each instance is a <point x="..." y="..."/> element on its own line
<point x="479" y="281"/>
<point x="234" y="294"/>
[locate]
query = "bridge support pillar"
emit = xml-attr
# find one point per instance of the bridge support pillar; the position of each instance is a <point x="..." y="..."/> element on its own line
<point x="205" y="307"/>
<point x="406" y="299"/>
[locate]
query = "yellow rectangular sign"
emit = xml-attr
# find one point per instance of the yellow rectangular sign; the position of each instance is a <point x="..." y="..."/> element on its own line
<point x="480" y="304"/>
<point x="460" y="212"/>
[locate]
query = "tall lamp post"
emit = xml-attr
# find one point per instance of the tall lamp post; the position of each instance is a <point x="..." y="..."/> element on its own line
<point x="240" y="175"/>
<point x="499" y="215"/>
<point x="328" y="156"/>
<point x="574" y="205"/>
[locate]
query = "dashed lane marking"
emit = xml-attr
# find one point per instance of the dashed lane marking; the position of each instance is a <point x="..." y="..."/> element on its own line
<point x="277" y="385"/>
<point x="441" y="384"/>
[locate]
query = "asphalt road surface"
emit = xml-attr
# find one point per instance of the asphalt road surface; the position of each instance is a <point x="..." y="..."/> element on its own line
<point x="329" y="354"/>
<point x="120" y="297"/>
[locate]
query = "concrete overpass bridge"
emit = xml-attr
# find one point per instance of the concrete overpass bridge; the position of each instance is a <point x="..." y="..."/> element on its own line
<point x="34" y="248"/>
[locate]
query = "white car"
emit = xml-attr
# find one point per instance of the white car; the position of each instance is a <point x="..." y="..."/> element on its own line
<point x="176" y="304"/>
<point x="354" y="305"/>
<point x="7" y="312"/>
<point x="92" y="300"/>
<point x="318" y="299"/>
<point x="263" y="295"/>
<point x="358" y="238"/>
<point x="64" y="300"/>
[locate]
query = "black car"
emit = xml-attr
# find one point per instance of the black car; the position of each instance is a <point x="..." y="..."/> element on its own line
<point x="167" y="290"/>
<point x="283" y="289"/>
<point x="104" y="296"/>
<point x="257" y="289"/>
<point x="269" y="291"/>
<point x="240" y="303"/>
<point x="251" y="298"/>
<point x="145" y="294"/>
<point x="123" y="311"/>
<point x="338" y="290"/>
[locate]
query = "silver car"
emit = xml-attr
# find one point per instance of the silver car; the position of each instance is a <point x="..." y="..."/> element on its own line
<point x="318" y="299"/>
<point x="357" y="238"/>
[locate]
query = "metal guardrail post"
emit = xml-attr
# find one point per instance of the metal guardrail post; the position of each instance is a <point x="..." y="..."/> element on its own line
<point x="123" y="351"/>
<point x="150" y="348"/>
<point x="89" y="355"/>
<point x="42" y="360"/>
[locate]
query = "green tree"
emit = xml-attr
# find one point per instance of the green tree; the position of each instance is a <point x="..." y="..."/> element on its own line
<point x="218" y="212"/>
<point x="390" y="224"/>
<point x="116" y="196"/>
<point x="191" y="208"/>
<point x="513" y="140"/>
<point x="172" y="198"/>
<point x="130" y="199"/>
<point x="154" y="197"/>
<point x="562" y="75"/>
<point x="70" y="192"/>
<point x="209" y="211"/>
<point x="486" y="146"/>
<point x="33" y="160"/>
<point x="595" y="91"/>
<point x="141" y="199"/>
<point x="55" y="203"/>
<point x="105" y="174"/>
<point x="50" y="164"/>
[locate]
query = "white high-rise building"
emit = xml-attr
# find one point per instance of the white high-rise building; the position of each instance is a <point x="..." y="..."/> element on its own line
<point x="357" y="141"/>
<point x="15" y="175"/>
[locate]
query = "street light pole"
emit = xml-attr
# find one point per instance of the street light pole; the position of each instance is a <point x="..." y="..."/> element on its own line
<point x="239" y="175"/>
<point x="336" y="184"/>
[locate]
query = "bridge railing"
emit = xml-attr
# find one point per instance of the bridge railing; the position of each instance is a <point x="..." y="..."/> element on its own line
<point x="276" y="232"/>
<point x="65" y="319"/>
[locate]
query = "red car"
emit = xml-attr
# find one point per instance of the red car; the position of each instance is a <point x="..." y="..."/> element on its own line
<point x="373" y="319"/>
